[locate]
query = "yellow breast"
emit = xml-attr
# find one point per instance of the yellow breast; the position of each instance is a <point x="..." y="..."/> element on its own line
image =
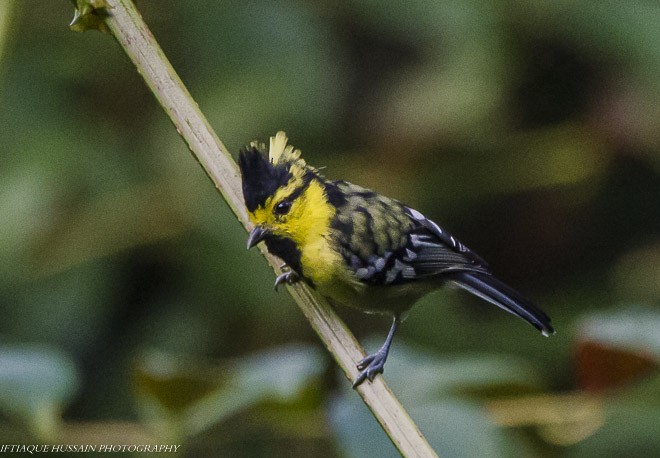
<point x="320" y="262"/>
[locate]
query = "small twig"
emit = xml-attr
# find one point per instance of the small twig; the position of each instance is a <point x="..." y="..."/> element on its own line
<point x="126" y="24"/>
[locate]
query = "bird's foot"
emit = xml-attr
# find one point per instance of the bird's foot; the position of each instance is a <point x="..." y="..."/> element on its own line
<point x="371" y="366"/>
<point x="288" y="276"/>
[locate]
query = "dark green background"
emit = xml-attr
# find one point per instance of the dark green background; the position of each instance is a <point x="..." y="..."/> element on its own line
<point x="131" y="312"/>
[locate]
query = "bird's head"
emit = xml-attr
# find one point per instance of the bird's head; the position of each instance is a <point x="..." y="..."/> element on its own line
<point x="283" y="195"/>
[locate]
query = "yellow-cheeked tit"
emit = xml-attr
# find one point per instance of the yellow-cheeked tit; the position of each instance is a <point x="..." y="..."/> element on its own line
<point x="359" y="248"/>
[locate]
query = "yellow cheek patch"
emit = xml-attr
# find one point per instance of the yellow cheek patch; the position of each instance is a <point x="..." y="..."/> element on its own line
<point x="307" y="224"/>
<point x="310" y="216"/>
<point x="262" y="215"/>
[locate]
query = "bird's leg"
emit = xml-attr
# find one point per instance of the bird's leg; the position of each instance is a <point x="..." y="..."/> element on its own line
<point x="375" y="362"/>
<point x="289" y="276"/>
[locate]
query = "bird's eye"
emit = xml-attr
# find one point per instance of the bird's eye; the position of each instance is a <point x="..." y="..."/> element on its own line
<point x="282" y="208"/>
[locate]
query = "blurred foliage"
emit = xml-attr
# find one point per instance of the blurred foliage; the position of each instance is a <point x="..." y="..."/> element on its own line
<point x="131" y="311"/>
<point x="35" y="384"/>
<point x="181" y="401"/>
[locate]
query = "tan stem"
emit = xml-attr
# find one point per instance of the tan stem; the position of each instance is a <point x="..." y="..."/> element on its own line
<point x="131" y="32"/>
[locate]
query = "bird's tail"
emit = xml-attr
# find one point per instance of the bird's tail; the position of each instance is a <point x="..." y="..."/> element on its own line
<point x="491" y="289"/>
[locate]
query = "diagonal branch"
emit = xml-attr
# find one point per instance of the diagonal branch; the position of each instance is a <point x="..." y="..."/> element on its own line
<point x="126" y="24"/>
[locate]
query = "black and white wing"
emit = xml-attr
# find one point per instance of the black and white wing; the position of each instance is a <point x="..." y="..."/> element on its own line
<point x="433" y="251"/>
<point x="390" y="244"/>
<point x="386" y="243"/>
<point x="473" y="275"/>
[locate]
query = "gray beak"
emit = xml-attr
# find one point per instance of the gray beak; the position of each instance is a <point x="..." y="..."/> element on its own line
<point x="256" y="235"/>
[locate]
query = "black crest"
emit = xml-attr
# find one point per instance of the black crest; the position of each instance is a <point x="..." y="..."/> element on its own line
<point x="260" y="178"/>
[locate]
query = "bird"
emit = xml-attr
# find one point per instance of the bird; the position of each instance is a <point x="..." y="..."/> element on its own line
<point x="357" y="247"/>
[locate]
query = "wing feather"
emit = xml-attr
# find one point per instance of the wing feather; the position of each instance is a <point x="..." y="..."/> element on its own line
<point x="415" y="248"/>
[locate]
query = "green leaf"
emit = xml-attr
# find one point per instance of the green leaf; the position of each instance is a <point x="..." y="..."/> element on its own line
<point x="441" y="395"/>
<point x="618" y="348"/>
<point x="180" y="398"/>
<point x="453" y="427"/>
<point x="472" y="374"/>
<point x="632" y="328"/>
<point x="88" y="15"/>
<point x="631" y="429"/>
<point x="35" y="384"/>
